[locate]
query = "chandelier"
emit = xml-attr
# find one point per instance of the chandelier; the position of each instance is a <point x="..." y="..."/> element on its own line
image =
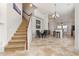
<point x="55" y="15"/>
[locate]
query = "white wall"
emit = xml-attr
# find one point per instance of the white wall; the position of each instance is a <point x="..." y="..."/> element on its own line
<point x="11" y="21"/>
<point x="3" y="34"/>
<point x="77" y="26"/>
<point x="43" y="17"/>
<point x="67" y="19"/>
<point x="45" y="22"/>
<point x="34" y="18"/>
<point x="51" y="25"/>
<point x="39" y="16"/>
<point x="29" y="33"/>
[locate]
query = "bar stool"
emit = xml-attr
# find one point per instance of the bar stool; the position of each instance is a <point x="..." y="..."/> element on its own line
<point x="58" y="34"/>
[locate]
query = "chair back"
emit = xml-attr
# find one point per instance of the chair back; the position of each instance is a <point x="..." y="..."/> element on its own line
<point x="37" y="32"/>
<point x="45" y="32"/>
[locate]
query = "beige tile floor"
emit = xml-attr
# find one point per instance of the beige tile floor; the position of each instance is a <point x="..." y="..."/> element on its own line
<point x="50" y="46"/>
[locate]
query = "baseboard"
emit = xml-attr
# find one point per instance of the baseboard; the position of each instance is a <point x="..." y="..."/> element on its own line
<point x="1" y="49"/>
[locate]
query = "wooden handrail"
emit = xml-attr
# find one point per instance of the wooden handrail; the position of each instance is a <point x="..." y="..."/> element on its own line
<point x="27" y="13"/>
<point x="27" y="27"/>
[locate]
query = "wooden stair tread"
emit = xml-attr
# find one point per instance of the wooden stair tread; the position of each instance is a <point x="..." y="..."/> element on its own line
<point x="15" y="43"/>
<point x="21" y="40"/>
<point x="19" y="36"/>
<point x="19" y="48"/>
<point x="14" y="50"/>
<point x="18" y="40"/>
<point x="15" y="46"/>
<point x="23" y="27"/>
<point x="21" y="32"/>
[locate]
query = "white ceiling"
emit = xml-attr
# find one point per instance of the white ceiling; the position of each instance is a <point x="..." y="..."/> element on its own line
<point x="61" y="8"/>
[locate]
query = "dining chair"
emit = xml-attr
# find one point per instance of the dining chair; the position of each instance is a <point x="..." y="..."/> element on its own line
<point x="38" y="34"/>
<point x="44" y="34"/>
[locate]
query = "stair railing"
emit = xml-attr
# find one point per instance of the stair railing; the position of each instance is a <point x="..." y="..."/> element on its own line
<point x="27" y="28"/>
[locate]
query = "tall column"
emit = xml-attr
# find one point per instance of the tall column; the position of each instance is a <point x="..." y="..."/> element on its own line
<point x="77" y="26"/>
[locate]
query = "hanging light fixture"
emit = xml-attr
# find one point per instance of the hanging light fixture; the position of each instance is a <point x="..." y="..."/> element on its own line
<point x="55" y="15"/>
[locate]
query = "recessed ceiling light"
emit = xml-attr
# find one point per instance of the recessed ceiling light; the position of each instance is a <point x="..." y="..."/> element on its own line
<point x="31" y="5"/>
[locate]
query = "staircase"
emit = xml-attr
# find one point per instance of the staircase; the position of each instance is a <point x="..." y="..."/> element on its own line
<point x="18" y="42"/>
